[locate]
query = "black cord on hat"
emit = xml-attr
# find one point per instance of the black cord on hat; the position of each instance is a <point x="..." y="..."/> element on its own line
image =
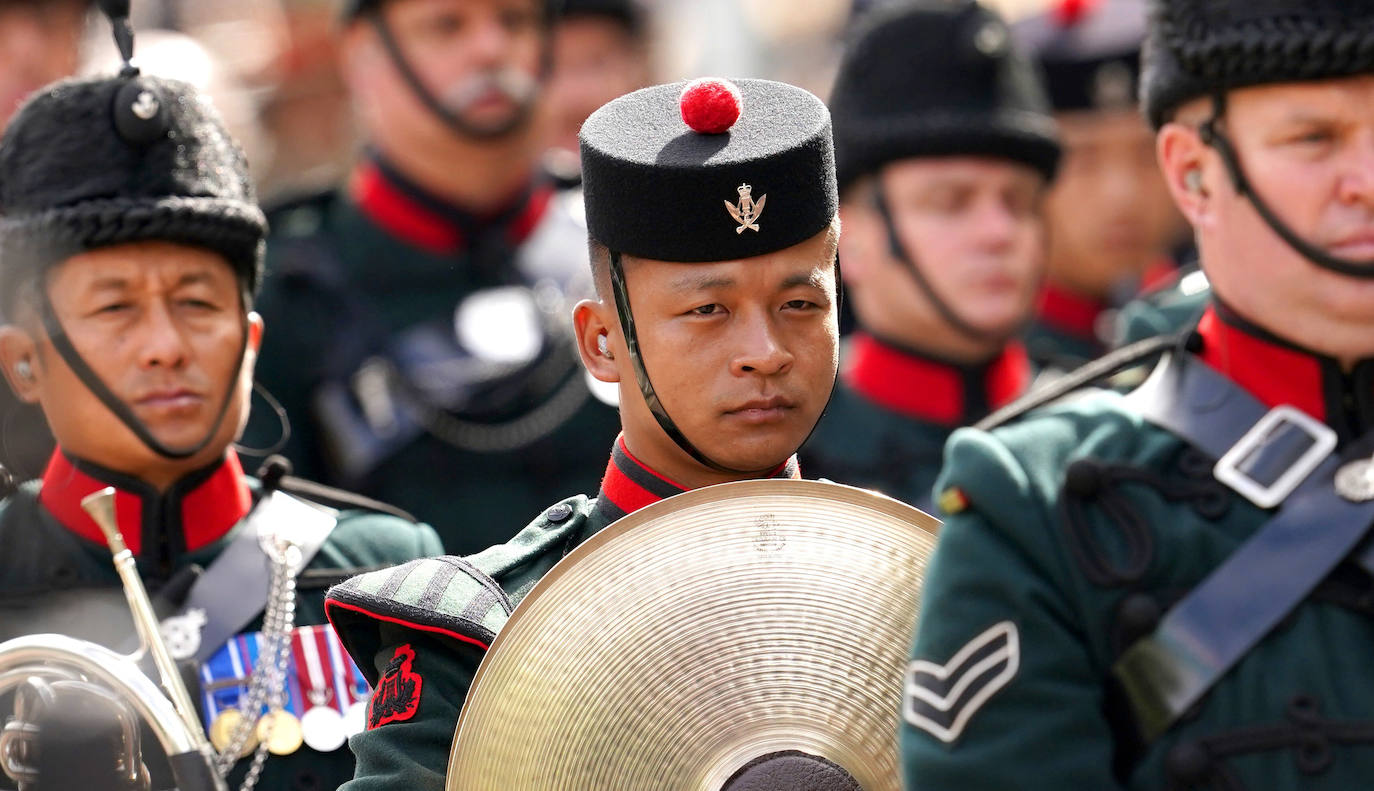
<point x="118" y="12"/>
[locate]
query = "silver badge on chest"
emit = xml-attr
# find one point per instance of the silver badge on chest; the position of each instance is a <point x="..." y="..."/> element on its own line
<point x="1355" y="481"/>
<point x="181" y="633"/>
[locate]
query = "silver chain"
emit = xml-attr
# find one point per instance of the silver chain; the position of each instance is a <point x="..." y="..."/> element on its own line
<point x="267" y="683"/>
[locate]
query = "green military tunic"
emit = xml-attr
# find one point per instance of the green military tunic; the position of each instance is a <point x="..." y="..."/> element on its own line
<point x="419" y="631"/>
<point x="1068" y="330"/>
<point x="423" y="355"/>
<point x="893" y="408"/>
<point x="1070" y="532"/>
<point x="56" y="573"/>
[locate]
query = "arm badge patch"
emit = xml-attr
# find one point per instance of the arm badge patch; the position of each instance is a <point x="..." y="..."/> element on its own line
<point x="941" y="699"/>
<point x="397" y="696"/>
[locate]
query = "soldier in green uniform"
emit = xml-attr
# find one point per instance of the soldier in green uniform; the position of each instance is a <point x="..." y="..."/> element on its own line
<point x="1111" y="222"/>
<point x="131" y="247"/>
<point x="713" y="226"/>
<point x="943" y="247"/>
<point x="421" y="347"/>
<point x="1170" y="589"/>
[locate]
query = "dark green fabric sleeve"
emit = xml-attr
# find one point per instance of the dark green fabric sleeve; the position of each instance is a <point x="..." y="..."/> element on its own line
<point x="412" y="754"/>
<point x="1003" y="690"/>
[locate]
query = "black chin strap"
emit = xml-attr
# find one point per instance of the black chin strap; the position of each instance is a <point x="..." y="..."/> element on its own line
<point x="1214" y="137"/>
<point x="431" y="102"/>
<point x="646" y="388"/>
<point x="88" y="377"/>
<point x="942" y="307"/>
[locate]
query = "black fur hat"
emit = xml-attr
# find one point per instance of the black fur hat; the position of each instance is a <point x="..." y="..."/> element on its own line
<point x="89" y="163"/>
<point x="937" y="78"/>
<point x="1201" y="48"/>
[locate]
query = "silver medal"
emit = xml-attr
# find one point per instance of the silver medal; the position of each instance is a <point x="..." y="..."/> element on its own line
<point x="1355" y="481"/>
<point x="323" y="729"/>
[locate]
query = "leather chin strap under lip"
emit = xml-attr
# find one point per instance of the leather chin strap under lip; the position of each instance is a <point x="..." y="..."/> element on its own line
<point x="1212" y="136"/>
<point x="621" y="293"/>
<point x="436" y="107"/>
<point x="58" y="337"/>
<point x="947" y="314"/>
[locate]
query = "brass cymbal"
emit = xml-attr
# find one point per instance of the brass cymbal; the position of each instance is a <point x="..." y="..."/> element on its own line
<point x="700" y="633"/>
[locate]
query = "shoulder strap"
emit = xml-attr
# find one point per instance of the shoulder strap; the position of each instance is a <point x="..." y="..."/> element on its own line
<point x="1102" y="368"/>
<point x="233" y="590"/>
<point x="339" y="498"/>
<point x="1263" y="454"/>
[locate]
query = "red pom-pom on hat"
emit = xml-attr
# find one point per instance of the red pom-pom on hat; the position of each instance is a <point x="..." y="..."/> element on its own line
<point x="1068" y="13"/>
<point x="710" y="106"/>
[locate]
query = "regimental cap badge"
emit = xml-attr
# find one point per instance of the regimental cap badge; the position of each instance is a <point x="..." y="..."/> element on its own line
<point x="747" y="211"/>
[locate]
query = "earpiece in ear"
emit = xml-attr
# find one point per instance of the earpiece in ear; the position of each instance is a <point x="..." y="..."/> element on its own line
<point x="601" y="346"/>
<point x="1192" y="180"/>
<point x="23" y="370"/>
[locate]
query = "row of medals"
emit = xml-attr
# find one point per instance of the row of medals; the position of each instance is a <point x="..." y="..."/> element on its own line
<point x="321" y="728"/>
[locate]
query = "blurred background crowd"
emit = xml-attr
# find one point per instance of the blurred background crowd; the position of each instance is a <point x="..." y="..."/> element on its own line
<point x="272" y="65"/>
<point x="421" y="268"/>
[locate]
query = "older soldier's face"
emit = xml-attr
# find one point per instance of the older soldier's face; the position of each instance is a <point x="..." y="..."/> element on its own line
<point x="742" y="354"/>
<point x="972" y="225"/>
<point x="162" y="326"/>
<point x="479" y="58"/>
<point x="1308" y="149"/>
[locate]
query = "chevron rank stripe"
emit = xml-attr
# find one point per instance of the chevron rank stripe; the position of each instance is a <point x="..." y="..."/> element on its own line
<point x="941" y="699"/>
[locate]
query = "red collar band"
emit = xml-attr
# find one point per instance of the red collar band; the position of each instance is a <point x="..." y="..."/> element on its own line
<point x="198" y="510"/>
<point x="405" y="210"/>
<point x="630" y="484"/>
<point x="1070" y="313"/>
<point x="1278" y="372"/>
<point x="933" y="390"/>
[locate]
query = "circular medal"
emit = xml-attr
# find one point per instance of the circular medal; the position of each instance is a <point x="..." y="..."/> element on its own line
<point x="284" y="736"/>
<point x="1355" y="481"/>
<point x="222" y="731"/>
<point x="323" y="729"/>
<point x="355" y="719"/>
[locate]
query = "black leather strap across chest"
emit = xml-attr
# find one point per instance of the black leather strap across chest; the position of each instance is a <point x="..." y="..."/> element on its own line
<point x="1276" y="458"/>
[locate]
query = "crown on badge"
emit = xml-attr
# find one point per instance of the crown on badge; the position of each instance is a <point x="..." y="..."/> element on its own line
<point x="748" y="211"/>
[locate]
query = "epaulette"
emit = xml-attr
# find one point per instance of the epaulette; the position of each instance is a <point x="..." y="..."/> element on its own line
<point x="553" y="527"/>
<point x="1087" y="375"/>
<point x="444" y="596"/>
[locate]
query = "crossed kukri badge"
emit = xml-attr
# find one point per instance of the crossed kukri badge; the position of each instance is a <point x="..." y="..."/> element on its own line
<point x="747" y="212"/>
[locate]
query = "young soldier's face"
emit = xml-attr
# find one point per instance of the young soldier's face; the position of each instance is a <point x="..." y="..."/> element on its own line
<point x="742" y="354"/>
<point x="971" y="224"/>
<point x="479" y="58"/>
<point x="1109" y="214"/>
<point x="161" y="325"/>
<point x="1308" y="149"/>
